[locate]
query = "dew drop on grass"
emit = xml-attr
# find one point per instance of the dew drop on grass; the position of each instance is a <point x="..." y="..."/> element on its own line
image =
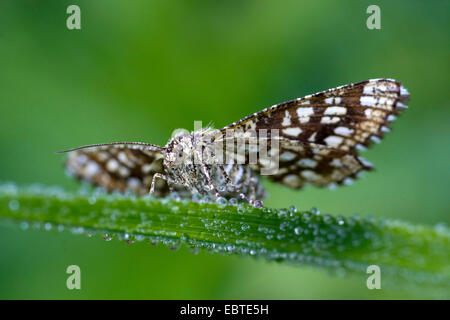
<point x="24" y="225"/>
<point x="327" y="219"/>
<point x="441" y="227"/>
<point x="306" y="218"/>
<point x="92" y="200"/>
<point x="292" y="210"/>
<point x="175" y="209"/>
<point x="209" y="198"/>
<point x="258" y="204"/>
<point x="241" y="208"/>
<point x="282" y="213"/>
<point x="197" y="197"/>
<point x="221" y="201"/>
<point x="233" y="202"/>
<point x="77" y="230"/>
<point x="14" y="205"/>
<point x="175" y="196"/>
<point x="283" y="226"/>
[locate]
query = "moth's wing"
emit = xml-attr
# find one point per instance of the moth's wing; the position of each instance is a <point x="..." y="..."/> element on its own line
<point x="315" y="164"/>
<point x="119" y="167"/>
<point x="320" y="134"/>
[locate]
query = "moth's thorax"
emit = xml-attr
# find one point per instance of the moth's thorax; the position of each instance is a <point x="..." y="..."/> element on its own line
<point x="186" y="154"/>
<point x="195" y="147"/>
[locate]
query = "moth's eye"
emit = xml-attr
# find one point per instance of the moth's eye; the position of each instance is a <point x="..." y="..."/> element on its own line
<point x="180" y="154"/>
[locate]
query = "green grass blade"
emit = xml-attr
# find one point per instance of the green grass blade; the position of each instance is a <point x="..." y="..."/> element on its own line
<point x="341" y="245"/>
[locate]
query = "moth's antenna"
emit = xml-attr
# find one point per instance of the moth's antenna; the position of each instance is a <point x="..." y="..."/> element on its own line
<point x="142" y="144"/>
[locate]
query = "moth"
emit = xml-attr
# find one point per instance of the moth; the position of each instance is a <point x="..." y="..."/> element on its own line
<point x="315" y="140"/>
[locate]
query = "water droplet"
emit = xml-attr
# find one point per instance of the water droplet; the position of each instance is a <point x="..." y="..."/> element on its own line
<point x="24" y="225"/>
<point x="221" y="201"/>
<point x="197" y="197"/>
<point x="139" y="237"/>
<point x="241" y="208"/>
<point x="306" y="217"/>
<point x="14" y="205"/>
<point x="175" y="209"/>
<point x="77" y="230"/>
<point x="283" y="226"/>
<point x="258" y="204"/>
<point x="209" y="198"/>
<point x="233" y="202"/>
<point x="298" y="230"/>
<point x="282" y="213"/>
<point x="327" y="219"/>
<point x="440" y="227"/>
<point x="175" y="196"/>
<point x="92" y="200"/>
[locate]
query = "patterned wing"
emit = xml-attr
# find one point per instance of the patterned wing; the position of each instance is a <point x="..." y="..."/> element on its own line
<point x="320" y="134"/>
<point x="119" y="167"/>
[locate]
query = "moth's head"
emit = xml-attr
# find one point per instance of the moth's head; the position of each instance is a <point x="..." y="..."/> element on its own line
<point x="179" y="151"/>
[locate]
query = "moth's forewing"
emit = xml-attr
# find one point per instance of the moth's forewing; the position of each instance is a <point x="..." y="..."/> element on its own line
<point x="320" y="134"/>
<point x="118" y="168"/>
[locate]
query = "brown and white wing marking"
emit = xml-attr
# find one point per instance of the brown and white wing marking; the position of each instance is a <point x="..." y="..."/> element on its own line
<point x="317" y="165"/>
<point x="119" y="167"/>
<point x="320" y="134"/>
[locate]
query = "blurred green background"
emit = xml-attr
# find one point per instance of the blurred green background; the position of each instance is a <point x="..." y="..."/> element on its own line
<point x="139" y="69"/>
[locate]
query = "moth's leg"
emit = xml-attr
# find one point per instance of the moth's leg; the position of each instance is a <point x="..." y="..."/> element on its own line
<point x="210" y="182"/>
<point x="160" y="176"/>
<point x="169" y="184"/>
<point x="252" y="186"/>
<point x="244" y="197"/>
<point x="236" y="187"/>
<point x="227" y="177"/>
<point x="251" y="183"/>
<point x="247" y="181"/>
